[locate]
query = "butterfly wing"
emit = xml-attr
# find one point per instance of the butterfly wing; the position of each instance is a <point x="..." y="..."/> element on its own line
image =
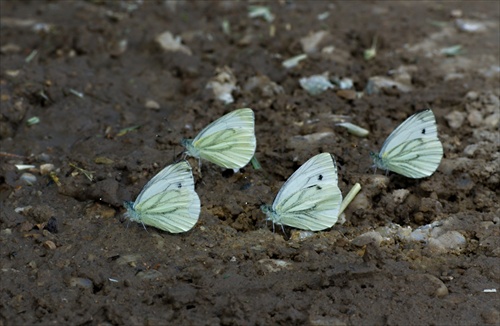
<point x="228" y="141"/>
<point x="420" y="125"/>
<point x="310" y="199"/>
<point x="174" y="176"/>
<point x="413" y="149"/>
<point x="417" y="158"/>
<point x="173" y="210"/>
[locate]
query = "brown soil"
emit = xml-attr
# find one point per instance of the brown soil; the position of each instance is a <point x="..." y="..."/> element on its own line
<point x="67" y="255"/>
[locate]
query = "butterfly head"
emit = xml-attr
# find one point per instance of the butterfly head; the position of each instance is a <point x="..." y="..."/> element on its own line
<point x="130" y="213"/>
<point x="190" y="148"/>
<point x="270" y="213"/>
<point x="378" y="160"/>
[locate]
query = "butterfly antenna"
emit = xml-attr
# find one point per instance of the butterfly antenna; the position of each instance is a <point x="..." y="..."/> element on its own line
<point x="175" y="155"/>
<point x="182" y="154"/>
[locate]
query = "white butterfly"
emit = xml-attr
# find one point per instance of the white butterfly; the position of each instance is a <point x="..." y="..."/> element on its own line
<point x="228" y="141"/>
<point x="413" y="149"/>
<point x="310" y="199"/>
<point x="168" y="201"/>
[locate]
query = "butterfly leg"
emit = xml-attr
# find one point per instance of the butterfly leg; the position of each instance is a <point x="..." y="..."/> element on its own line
<point x="144" y="226"/>
<point x="199" y="166"/>
<point x="283" y="229"/>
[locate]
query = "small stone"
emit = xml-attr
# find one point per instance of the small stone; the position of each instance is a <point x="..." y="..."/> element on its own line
<point x="128" y="259"/>
<point x="300" y="235"/>
<point x="491" y="316"/>
<point x="299" y="141"/>
<point x="429" y="284"/>
<point x="81" y="282"/>
<point x="223" y="84"/>
<point x="418" y="217"/>
<point x="326" y="321"/>
<point x="492" y="120"/>
<point x="28" y="178"/>
<point x="377" y="83"/>
<point x="263" y="86"/>
<point x="452" y="240"/>
<point x="429" y="205"/>
<point x="6" y="232"/>
<point x="275" y="265"/>
<point x="311" y="42"/>
<point x="170" y="44"/>
<point x="150" y="274"/>
<point x="456" y="13"/>
<point x="420" y="235"/>
<point x="400" y="195"/>
<point x="470" y="26"/>
<point x="152" y="105"/>
<point x="361" y="201"/>
<point x="368" y="237"/>
<point x="403" y="233"/>
<point x="49" y="245"/>
<point x="316" y="84"/>
<point x="475" y="118"/>
<point x="469" y="150"/>
<point x="455" y="119"/>
<point x="347" y="94"/>
<point x="472" y="96"/>
<point x="46" y="168"/>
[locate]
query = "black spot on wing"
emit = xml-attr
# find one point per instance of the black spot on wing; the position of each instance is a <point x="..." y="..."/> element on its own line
<point x="320" y="177"/>
<point x="423" y="131"/>
<point x="318" y="187"/>
<point x="179" y="185"/>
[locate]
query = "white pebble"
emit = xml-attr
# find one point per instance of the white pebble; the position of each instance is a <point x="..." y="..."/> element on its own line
<point x="469" y="150"/>
<point x="46" y="168"/>
<point x="470" y="26"/>
<point x="170" y="44"/>
<point x="275" y="265"/>
<point x="377" y="83"/>
<point x="310" y="43"/>
<point x="453" y="240"/>
<point x="400" y="195"/>
<point x="28" y="178"/>
<point x="455" y="119"/>
<point x="151" y="104"/>
<point x="449" y="241"/>
<point x="419" y="235"/>
<point x="475" y="118"/>
<point x="316" y="84"/>
<point x="81" y="282"/>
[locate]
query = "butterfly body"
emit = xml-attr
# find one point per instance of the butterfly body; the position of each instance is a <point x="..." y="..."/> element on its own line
<point x="310" y="199"/>
<point x="228" y="141"/>
<point x="168" y="201"/>
<point x="413" y="149"/>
